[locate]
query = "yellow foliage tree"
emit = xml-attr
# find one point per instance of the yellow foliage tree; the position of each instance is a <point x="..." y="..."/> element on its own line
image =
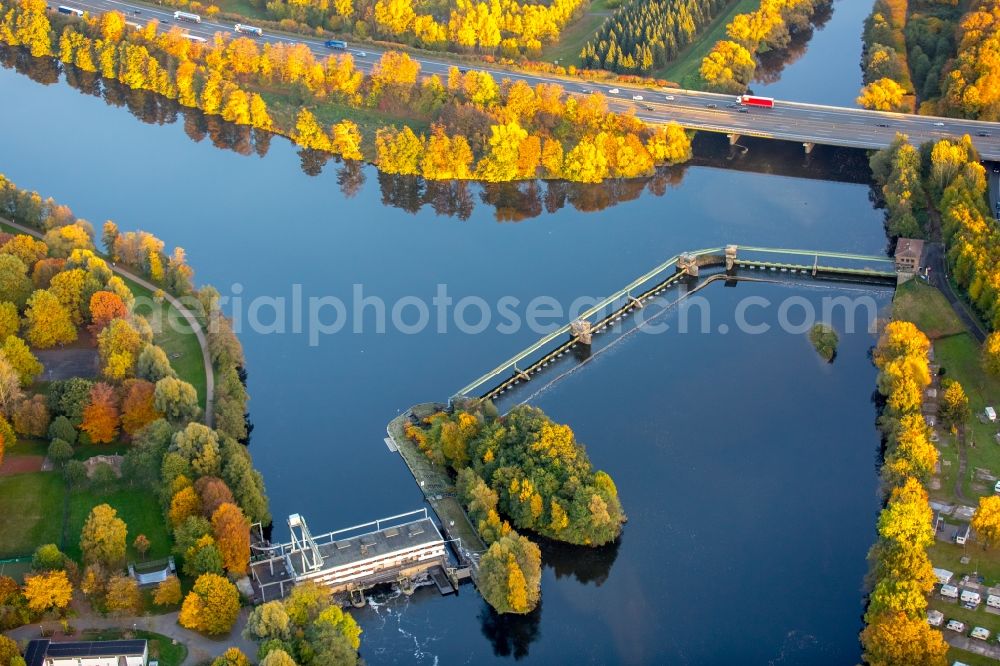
<point x="347" y="140"/>
<point x="21" y="359"/>
<point x="183" y="504"/>
<point x="122" y="595"/>
<point x="728" y="67"/>
<point x="586" y="162"/>
<point x="991" y="354"/>
<point x="211" y="606"/>
<point x="399" y="151"/>
<point x="119" y="344"/>
<point x="986" y="522"/>
<point x="894" y="638"/>
<point x="48" y="591"/>
<point x="907" y="518"/>
<point x="954" y="406"/>
<point x="102" y="540"/>
<point x="309" y="134"/>
<point x="168" y="592"/>
<point x="10" y="322"/>
<point x="48" y="321"/>
<point x="669" y="144"/>
<point x="882" y="95"/>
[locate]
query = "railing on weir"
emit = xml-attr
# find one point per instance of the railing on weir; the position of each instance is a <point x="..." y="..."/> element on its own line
<point x="510" y="366"/>
<point x="280" y="549"/>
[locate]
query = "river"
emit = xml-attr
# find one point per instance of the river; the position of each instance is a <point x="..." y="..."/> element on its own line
<point x="747" y="467"/>
<point x="822" y="65"/>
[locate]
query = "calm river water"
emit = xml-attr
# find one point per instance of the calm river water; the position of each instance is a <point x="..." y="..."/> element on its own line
<point x="746" y="465"/>
<point x="822" y="66"/>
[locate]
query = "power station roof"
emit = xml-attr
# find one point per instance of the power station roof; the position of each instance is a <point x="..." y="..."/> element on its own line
<point x="373" y="544"/>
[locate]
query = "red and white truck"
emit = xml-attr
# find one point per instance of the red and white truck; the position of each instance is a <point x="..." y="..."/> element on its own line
<point x="754" y="100"/>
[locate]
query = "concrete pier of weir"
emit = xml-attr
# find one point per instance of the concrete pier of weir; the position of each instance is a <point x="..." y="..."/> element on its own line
<point x="437" y="487"/>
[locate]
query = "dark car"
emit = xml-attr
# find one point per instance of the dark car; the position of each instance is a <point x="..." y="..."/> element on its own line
<point x="982" y="134"/>
<point x="648" y="107"/>
<point x="462" y="70"/>
<point x="881" y="124"/>
<point x="744" y="109"/>
<point x="711" y="106"/>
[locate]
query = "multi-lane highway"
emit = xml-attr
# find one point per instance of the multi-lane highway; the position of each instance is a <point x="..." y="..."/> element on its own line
<point x="791" y="121"/>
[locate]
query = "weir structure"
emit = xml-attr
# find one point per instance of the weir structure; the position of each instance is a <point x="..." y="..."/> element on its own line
<point x="406" y="550"/>
<point x="685" y="267"/>
<point x="433" y="479"/>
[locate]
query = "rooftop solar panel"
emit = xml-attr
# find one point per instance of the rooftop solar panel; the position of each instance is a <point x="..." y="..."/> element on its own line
<point x="95" y="648"/>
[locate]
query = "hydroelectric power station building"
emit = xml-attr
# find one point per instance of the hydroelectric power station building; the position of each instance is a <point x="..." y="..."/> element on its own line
<point x="403" y="549"/>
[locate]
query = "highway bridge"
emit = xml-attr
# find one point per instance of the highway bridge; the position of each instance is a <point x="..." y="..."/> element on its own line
<point x="808" y="124"/>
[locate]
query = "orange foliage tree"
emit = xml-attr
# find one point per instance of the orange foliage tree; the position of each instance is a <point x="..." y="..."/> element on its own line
<point x="214" y="493"/>
<point x="100" y="416"/>
<point x="138" y="409"/>
<point x="232" y="534"/>
<point x="105" y="306"/>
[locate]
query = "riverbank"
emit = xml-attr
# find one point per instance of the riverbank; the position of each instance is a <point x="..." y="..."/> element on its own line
<point x="684" y="70"/>
<point x="969" y="466"/>
<point x="514" y="133"/>
<point x="133" y="470"/>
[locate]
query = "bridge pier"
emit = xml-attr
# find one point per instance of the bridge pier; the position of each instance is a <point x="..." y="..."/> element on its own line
<point x="734" y="138"/>
<point x="581" y="330"/>
<point x="808" y="145"/>
<point x="730" y="257"/>
<point x="687" y="264"/>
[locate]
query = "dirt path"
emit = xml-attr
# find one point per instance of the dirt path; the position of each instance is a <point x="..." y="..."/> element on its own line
<point x="936" y="261"/>
<point x="187" y="314"/>
<point x="963" y="464"/>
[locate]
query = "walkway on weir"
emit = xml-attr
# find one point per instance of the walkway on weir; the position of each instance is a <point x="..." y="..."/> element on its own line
<point x="835" y="266"/>
<point x="187" y="314"/>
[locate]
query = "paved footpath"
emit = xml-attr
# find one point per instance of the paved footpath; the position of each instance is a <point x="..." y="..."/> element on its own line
<point x="200" y="648"/>
<point x="187" y="314"/>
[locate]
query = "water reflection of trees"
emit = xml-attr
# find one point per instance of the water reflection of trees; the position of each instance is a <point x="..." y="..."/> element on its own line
<point x="771" y="64"/>
<point x="512" y="202"/>
<point x="39" y="70"/>
<point x="586" y="565"/>
<point x="509" y="634"/>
